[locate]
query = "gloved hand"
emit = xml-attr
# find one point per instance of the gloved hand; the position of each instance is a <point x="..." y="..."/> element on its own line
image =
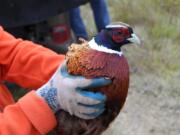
<point x="70" y="93"/>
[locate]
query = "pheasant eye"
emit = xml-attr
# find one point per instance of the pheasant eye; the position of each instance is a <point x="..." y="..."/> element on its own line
<point x="126" y="33"/>
<point x="119" y="32"/>
<point x="117" y="36"/>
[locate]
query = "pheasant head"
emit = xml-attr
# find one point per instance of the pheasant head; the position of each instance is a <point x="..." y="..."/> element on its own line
<point x="113" y="37"/>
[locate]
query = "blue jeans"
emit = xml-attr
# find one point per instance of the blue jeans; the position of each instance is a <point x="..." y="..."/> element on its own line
<point x="101" y="17"/>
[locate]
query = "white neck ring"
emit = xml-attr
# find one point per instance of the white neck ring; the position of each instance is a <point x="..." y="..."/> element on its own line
<point x="102" y="48"/>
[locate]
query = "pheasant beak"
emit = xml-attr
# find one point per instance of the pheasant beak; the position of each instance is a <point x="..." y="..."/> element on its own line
<point x="134" y="39"/>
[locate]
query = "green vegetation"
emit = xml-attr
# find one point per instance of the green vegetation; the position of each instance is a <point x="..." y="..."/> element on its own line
<point x="157" y="23"/>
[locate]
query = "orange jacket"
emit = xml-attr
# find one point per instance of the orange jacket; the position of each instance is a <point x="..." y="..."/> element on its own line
<point x="30" y="66"/>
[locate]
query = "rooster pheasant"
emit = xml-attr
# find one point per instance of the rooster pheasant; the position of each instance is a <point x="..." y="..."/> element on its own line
<point x="100" y="57"/>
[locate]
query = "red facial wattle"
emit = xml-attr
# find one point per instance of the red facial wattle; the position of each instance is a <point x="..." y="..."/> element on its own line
<point x="119" y="35"/>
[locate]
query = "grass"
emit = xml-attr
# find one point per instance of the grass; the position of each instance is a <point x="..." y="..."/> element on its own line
<point x="157" y="23"/>
<point x="153" y="104"/>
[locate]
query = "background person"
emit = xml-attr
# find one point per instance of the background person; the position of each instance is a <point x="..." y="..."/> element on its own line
<point x="101" y="17"/>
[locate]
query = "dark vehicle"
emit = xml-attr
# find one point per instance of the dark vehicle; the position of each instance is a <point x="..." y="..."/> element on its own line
<point x="44" y="22"/>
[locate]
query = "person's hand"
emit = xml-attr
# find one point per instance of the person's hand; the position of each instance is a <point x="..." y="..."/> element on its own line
<point x="70" y="93"/>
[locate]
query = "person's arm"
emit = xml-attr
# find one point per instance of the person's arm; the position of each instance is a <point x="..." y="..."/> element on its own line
<point x="30" y="66"/>
<point x="25" y="63"/>
<point x="33" y="113"/>
<point x="29" y="116"/>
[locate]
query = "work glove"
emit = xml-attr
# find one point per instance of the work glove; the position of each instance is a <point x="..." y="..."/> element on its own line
<point x="70" y="93"/>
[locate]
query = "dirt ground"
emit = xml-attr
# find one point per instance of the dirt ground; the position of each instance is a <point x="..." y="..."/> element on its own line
<point x="153" y="109"/>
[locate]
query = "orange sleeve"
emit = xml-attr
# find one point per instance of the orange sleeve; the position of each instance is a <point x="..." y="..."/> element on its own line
<point x="25" y="63"/>
<point x="29" y="116"/>
<point x="30" y="66"/>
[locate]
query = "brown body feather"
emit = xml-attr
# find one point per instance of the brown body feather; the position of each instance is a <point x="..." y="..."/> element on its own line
<point x="91" y="63"/>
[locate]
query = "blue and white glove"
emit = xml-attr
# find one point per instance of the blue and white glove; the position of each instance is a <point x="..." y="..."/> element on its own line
<point x="70" y="93"/>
